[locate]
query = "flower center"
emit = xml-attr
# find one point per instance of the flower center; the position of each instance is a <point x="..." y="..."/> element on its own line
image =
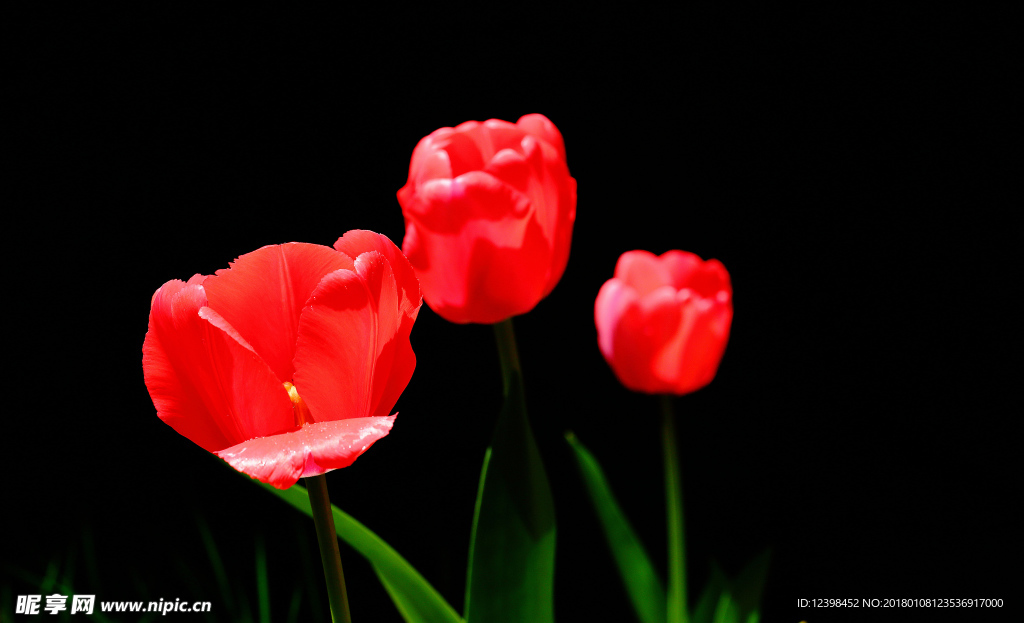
<point x="302" y="415"/>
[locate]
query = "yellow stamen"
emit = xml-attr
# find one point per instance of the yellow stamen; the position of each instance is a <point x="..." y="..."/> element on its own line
<point x="302" y="415"/>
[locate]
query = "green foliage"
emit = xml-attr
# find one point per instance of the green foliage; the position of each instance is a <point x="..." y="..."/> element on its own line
<point x="415" y="598"/>
<point x="57" y="578"/>
<point x="644" y="587"/>
<point x="737" y="601"/>
<point x="217" y="565"/>
<point x="512" y="548"/>
<point x="79" y="571"/>
<point x="510" y="576"/>
<point x="262" y="581"/>
<point x="723" y="601"/>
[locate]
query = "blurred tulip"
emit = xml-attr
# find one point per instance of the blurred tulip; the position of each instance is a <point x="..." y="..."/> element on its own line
<point x="663" y="321"/>
<point x="288" y="363"/>
<point x="489" y="209"/>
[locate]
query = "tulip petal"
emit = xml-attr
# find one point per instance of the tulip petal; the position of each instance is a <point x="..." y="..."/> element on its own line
<point x="262" y="295"/>
<point x="498" y="135"/>
<point x="691" y="360"/>
<point x="389" y="342"/>
<point x="463" y="148"/>
<point x="352" y="337"/>
<point x="643" y="271"/>
<point x="388" y="387"/>
<point x="357" y="241"/>
<point x="177" y="401"/>
<point x="510" y="166"/>
<point x="642" y="335"/>
<point x="258" y="403"/>
<point x="614" y="298"/>
<point x="280" y="460"/>
<point x="480" y="275"/>
<point x="631" y="353"/>
<point x="682" y="266"/>
<point x="478" y="244"/>
<point x="504" y="277"/>
<point x="552" y="193"/>
<point x="666" y="342"/>
<point x="428" y="162"/>
<point x="541" y="127"/>
<point x="432" y="164"/>
<point x="678" y="320"/>
<point x="562" y="240"/>
<point x="205" y="380"/>
<point x="687" y="270"/>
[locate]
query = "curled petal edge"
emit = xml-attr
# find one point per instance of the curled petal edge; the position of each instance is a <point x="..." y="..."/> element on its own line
<point x="314" y="449"/>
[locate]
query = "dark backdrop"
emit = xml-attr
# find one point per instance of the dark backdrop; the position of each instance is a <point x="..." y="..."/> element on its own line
<point x="836" y="163"/>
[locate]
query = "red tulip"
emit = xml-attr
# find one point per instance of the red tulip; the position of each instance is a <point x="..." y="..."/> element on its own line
<point x="288" y="363"/>
<point x="489" y="209"/>
<point x="662" y="322"/>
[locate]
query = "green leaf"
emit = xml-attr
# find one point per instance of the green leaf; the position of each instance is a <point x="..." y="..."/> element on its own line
<point x="262" y="582"/>
<point x="643" y="585"/>
<point x="749" y="585"/>
<point x="216" y="564"/>
<point x="709" y="599"/>
<point x="415" y="598"/>
<point x="738" y="600"/>
<point x="512" y="548"/>
<point x="727" y="611"/>
<point x="296" y="603"/>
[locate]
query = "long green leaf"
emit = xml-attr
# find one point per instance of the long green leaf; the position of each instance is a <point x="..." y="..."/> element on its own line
<point x="217" y="564"/>
<point x="738" y="600"/>
<point x="727" y="611"/>
<point x="512" y="548"/>
<point x="643" y="585"/>
<point x="296" y="603"/>
<point x="414" y="597"/>
<point x="262" y="582"/>
<point x="749" y="585"/>
<point x="708" y="602"/>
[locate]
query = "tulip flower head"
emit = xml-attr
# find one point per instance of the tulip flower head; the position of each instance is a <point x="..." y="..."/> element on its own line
<point x="286" y="364"/>
<point x="489" y="209"/>
<point x="663" y="321"/>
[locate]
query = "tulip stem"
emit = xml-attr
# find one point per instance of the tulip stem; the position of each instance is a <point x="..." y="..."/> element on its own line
<point x="676" y="606"/>
<point x="507" y="352"/>
<point x="323" y="519"/>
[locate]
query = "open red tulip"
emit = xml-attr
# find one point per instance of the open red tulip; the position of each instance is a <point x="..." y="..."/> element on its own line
<point x="489" y="209"/>
<point x="663" y="321"/>
<point x="286" y="364"/>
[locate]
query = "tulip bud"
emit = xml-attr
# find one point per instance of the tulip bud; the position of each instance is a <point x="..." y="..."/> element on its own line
<point x="663" y="321"/>
<point x="489" y="209"/>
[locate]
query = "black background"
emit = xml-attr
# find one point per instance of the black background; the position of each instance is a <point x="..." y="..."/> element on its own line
<point x="839" y="164"/>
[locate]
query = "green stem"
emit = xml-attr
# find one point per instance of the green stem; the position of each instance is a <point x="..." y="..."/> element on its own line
<point x="323" y="519"/>
<point x="676" y="606"/>
<point x="506" y="338"/>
